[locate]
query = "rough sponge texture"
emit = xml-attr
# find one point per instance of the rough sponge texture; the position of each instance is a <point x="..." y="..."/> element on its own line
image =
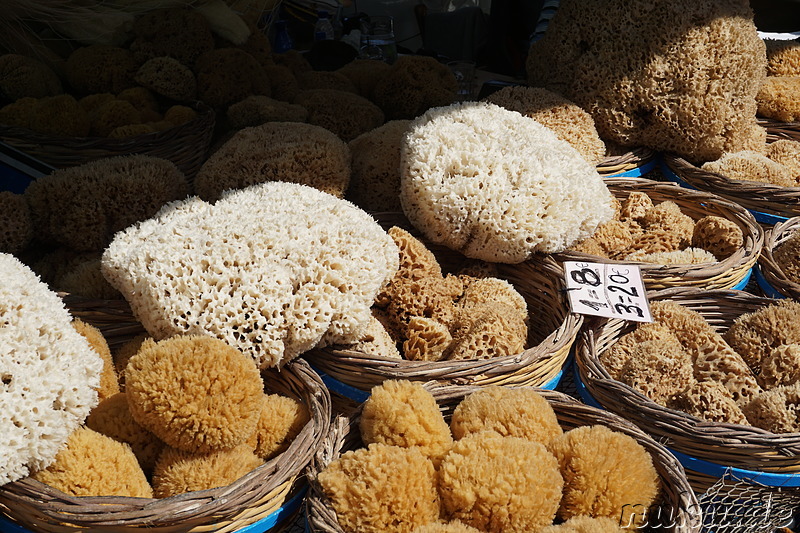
<point x="313" y="285"/>
<point x="688" y="256"/>
<point x="59" y="115"/>
<point x="787" y="255"/>
<point x="84" y="206"/>
<point x="720" y="236"/>
<point x="228" y="75"/>
<point x="48" y="373"/>
<point x="16" y="228"/>
<point x="195" y="393"/>
<point x="780" y="367"/>
<point x="402" y="413"/>
<point x="282" y="418"/>
<point x="749" y="165"/>
<point x="178" y="472"/>
<point x="458" y="161"/>
<point x="112" y="418"/>
<point x="22" y="76"/>
<point x="569" y="122"/>
<point x="754" y="335"/>
<point x="256" y="110"/>
<point x="375" y="179"/>
<point x="786" y="152"/>
<point x="496" y="483"/>
<point x="586" y="524"/>
<point x="318" y="79"/>
<point x="382" y="489"/>
<point x="101" y="69"/>
<point x="514" y="412"/>
<point x="348" y="115"/>
<point x="606" y="473"/>
<point x="776" y="410"/>
<point x="783" y="57"/>
<point x="778" y="98"/>
<point x="710" y="401"/>
<point x="109" y="383"/>
<point x="376" y="340"/>
<point x="181" y="33"/>
<point x="658" y="370"/>
<point x="279" y="151"/>
<point x="365" y="74"/>
<point x="168" y="77"/>
<point x="92" y="464"/>
<point x="446" y="527"/>
<point x="412" y="86"/>
<point x="687" y="87"/>
<point x="617" y="355"/>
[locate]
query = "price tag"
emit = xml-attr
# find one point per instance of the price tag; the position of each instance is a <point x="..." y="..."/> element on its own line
<point x="609" y="290"/>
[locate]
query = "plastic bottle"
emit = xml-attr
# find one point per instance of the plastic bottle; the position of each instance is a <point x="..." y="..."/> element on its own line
<point x="283" y="41"/>
<point x="323" y="29"/>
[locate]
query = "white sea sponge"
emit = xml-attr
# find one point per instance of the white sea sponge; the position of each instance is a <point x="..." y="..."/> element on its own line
<point x="274" y="270"/>
<point x="497" y="186"/>
<point x="48" y="372"/>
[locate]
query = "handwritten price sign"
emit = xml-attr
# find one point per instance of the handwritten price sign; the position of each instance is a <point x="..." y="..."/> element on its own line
<point x="613" y="291"/>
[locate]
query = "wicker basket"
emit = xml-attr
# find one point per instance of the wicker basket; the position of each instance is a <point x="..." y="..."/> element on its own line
<point x="264" y="494"/>
<point x="777" y="131"/>
<point x="635" y="163"/>
<point x="732" y="272"/>
<point x="769" y="204"/>
<point x="551" y="331"/>
<point x="678" y="511"/>
<point x="771" y="279"/>
<point x="720" y="445"/>
<point x="113" y="318"/>
<point x="185" y="145"/>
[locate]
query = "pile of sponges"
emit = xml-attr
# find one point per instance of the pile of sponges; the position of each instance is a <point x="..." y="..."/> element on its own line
<point x="503" y="463"/>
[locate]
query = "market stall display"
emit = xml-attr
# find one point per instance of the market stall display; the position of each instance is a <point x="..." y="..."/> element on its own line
<point x="778" y="264"/>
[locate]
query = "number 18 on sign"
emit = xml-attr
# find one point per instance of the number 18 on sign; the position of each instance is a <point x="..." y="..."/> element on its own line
<point x="609" y="290"/>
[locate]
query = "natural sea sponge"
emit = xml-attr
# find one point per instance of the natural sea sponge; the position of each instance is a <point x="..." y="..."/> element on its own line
<point x="19" y="113"/>
<point x="606" y="473"/>
<point x="491" y="330"/>
<point x="783" y="57"/>
<point x="228" y="75"/>
<point x="457" y="161"/>
<point x="294" y="60"/>
<point x="776" y="410"/>
<point x="667" y="216"/>
<point x="313" y="285"/>
<point x="365" y="74"/>
<point x="178" y="472"/>
<point x="720" y="236"/>
<point x="168" y="77"/>
<point x="348" y="115"/>
<point x="382" y="489"/>
<point x="749" y="165"/>
<point x="124" y="353"/>
<point x="635" y="206"/>
<point x="710" y="401"/>
<point x="613" y="237"/>
<point x="330" y="80"/>
<point x="586" y="524"/>
<point x="59" y="115"/>
<point x="402" y="413"/>
<point x="687" y="87"/>
<point x="48" y="374"/>
<point x="616" y="356"/>
<point x="496" y="483"/>
<point x="283" y="83"/>
<point x="416" y="260"/>
<point x="84" y="206"/>
<point x="428" y="297"/>
<point x="413" y="85"/>
<point x="15" y="223"/>
<point x="446" y="527"/>
<point x="195" y="393"/>
<point x="426" y="339"/>
<point x="181" y="33"/>
<point x="514" y="412"/>
<point x="376" y="340"/>
<point x="569" y="122"/>
<point x="375" y="161"/>
<point x="256" y="110"/>
<point x="658" y="370"/>
<point x="109" y="384"/>
<point x="112" y="115"/>
<point x="589" y="246"/>
<point x="92" y="464"/>
<point x="112" y="418"/>
<point x="282" y="418"/>
<point x="754" y="335"/>
<point x="786" y="152"/>
<point x="23" y="76"/>
<point x="778" y="98"/>
<point x="655" y="241"/>
<point x="787" y="256"/>
<point x="688" y="256"/>
<point x="277" y="151"/>
<point x="101" y="68"/>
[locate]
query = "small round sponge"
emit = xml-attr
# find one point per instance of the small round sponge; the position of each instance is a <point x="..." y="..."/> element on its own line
<point x="195" y="393"/>
<point x="282" y="418"/>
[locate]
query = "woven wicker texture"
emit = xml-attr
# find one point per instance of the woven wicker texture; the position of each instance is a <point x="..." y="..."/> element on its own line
<point x="244" y="502"/>
<point x="185" y="145"/>
<point x="733" y="445"/>
<point x="752" y="195"/>
<point x="724" y="274"/>
<point x="770" y="269"/>
<point x="677" y="512"/>
<point x="551" y="331"/>
<point x="780" y="130"/>
<point x="617" y="164"/>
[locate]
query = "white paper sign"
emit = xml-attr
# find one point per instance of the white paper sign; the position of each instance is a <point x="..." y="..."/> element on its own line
<point x="609" y="290"/>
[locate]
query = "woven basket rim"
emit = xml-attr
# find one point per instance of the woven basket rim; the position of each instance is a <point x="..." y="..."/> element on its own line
<point x="720" y="440"/>
<point x="322" y="517"/>
<point x="630" y="159"/>
<point x="200" y="507"/>
<point x="733" y="267"/>
<point x="770" y="269"/>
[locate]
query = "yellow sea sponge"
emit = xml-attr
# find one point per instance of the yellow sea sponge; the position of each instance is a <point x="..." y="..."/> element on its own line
<point x="426" y="297"/>
<point x="786" y="152"/>
<point x="365" y="74"/>
<point x="402" y="413"/>
<point x="282" y="418"/>
<point x="776" y="410"/>
<point x="196" y="393"/>
<point x="376" y="340"/>
<point x="426" y="339"/>
<point x="754" y="335"/>
<point x="658" y="370"/>
<point x="59" y="115"/>
<point x="787" y="255"/>
<point x="179" y="114"/>
<point x="18" y="113"/>
<point x="112" y="418"/>
<point x="783" y="57"/>
<point x="613" y="237"/>
<point x="668" y="216"/>
<point x="779" y="98"/>
<point x="346" y="114"/>
<point x="606" y="473"/>
<point x="687" y="256"/>
<point x="710" y="401"/>
<point x="751" y="166"/>
<point x="124" y="353"/>
<point x="635" y="205"/>
<point x="780" y="367"/>
<point x="109" y="384"/>
<point x="178" y="472"/>
<point x="496" y="483"/>
<point x="589" y="246"/>
<point x="15" y="221"/>
<point x="585" y="524"/>
<point x="655" y="241"/>
<point x="320" y="79"/>
<point x="514" y="412"/>
<point x="720" y="236"/>
<point x="446" y="527"/>
<point x="615" y="357"/>
<point x="92" y="464"/>
<point x="416" y="260"/>
<point x="375" y="182"/>
<point x="113" y="114"/>
<point x="382" y="489"/>
<point x="490" y="330"/>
